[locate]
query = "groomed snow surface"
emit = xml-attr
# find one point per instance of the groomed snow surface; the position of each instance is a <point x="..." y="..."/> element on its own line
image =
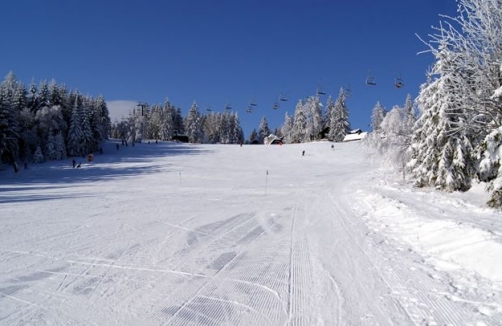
<point x="178" y="234"/>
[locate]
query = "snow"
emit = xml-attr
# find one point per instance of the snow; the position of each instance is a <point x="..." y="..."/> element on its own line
<point x="497" y="93"/>
<point x="355" y="136"/>
<point x="178" y="234"/>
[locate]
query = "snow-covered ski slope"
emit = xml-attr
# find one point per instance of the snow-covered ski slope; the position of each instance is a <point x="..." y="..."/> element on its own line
<point x="177" y="234"/>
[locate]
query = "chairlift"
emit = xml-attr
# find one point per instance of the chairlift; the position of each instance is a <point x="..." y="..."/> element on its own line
<point x="320" y="91"/>
<point x="276" y="106"/>
<point x="249" y="110"/>
<point x="228" y="106"/>
<point x="370" y="81"/>
<point x="252" y="102"/>
<point x="209" y="110"/>
<point x="399" y="82"/>
<point x="283" y="98"/>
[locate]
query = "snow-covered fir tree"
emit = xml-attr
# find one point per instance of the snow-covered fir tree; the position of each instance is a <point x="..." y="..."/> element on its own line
<point x="87" y="135"/>
<point x="75" y="146"/>
<point x="313" y="107"/>
<point x="194" y="125"/>
<point x="253" y="136"/>
<point x="263" y="130"/>
<point x="9" y="129"/>
<point x="338" y="119"/>
<point x="299" y="131"/>
<point x="287" y="127"/>
<point x="441" y="150"/>
<point x="377" y="116"/>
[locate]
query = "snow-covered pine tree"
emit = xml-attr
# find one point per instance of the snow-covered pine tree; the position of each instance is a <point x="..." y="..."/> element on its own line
<point x="32" y="97"/>
<point x="377" y="116"/>
<point x="314" y="112"/>
<point x="155" y="122"/>
<point x="9" y="129"/>
<point x="339" y="124"/>
<point x="168" y="123"/>
<point x="287" y="127"/>
<point x="253" y="136"/>
<point x="59" y="146"/>
<point x="179" y="125"/>
<point x="43" y="95"/>
<point x="213" y="133"/>
<point x="441" y="150"/>
<point x="75" y="138"/>
<point x="88" y="136"/>
<point x="193" y="125"/>
<point x="410" y="116"/>
<point x="236" y="133"/>
<point x="263" y="130"/>
<point x="50" y="148"/>
<point x="299" y="130"/>
<point x="103" y="118"/>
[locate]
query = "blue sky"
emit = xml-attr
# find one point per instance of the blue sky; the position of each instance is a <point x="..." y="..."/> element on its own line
<point x="220" y="51"/>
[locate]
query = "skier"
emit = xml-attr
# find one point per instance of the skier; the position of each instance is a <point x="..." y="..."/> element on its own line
<point x="73" y="162"/>
<point x="303" y="153"/>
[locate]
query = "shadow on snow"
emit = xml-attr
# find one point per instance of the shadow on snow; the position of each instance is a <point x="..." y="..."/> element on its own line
<point x="128" y="161"/>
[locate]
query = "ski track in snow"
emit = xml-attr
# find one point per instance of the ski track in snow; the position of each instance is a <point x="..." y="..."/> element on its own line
<point x="180" y="234"/>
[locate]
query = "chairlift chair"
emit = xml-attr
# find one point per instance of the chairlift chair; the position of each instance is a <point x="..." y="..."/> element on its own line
<point x="228" y="106"/>
<point x="370" y="81"/>
<point x="320" y="91"/>
<point x="398" y="83"/>
<point x="276" y="106"/>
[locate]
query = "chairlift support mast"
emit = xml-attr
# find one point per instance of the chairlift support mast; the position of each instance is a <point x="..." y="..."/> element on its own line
<point x="143" y="106"/>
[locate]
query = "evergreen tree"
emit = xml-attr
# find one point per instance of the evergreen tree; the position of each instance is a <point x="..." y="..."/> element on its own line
<point x="263" y="130"/>
<point x="88" y="144"/>
<point x="300" y="123"/>
<point x="253" y="136"/>
<point x="315" y="121"/>
<point x="179" y="125"/>
<point x="377" y="116"/>
<point x="102" y="118"/>
<point x="287" y="127"/>
<point x="75" y="135"/>
<point x="9" y="129"/>
<point x="193" y="125"/>
<point x="440" y="148"/>
<point x="339" y="118"/>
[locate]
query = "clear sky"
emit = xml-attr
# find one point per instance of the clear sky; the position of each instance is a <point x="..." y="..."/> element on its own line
<point x="224" y="51"/>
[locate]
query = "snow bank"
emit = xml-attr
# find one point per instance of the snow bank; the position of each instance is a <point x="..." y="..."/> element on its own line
<point x="447" y="244"/>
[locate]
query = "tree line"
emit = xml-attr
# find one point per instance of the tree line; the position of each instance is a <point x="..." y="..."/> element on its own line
<point x="48" y="122"/>
<point x="165" y="122"/>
